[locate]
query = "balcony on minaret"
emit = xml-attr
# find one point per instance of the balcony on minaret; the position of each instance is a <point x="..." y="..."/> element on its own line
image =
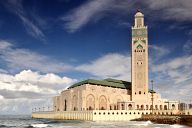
<point x="139" y="19"/>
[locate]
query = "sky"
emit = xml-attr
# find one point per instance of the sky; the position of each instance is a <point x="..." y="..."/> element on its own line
<point x="46" y="46"/>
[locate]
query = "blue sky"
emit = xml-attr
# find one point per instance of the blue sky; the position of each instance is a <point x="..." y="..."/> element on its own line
<point x="45" y="46"/>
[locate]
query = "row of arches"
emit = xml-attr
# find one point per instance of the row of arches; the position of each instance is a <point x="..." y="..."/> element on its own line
<point x="90" y="102"/>
<point x="118" y="104"/>
<point x="156" y="107"/>
<point x="123" y="106"/>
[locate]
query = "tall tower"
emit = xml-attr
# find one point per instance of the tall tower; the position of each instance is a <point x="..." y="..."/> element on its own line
<point x="139" y="73"/>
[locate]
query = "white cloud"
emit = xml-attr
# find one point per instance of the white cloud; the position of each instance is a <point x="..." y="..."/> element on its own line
<point x="118" y="65"/>
<point x="21" y="92"/>
<point x="34" y="82"/>
<point x="168" y="9"/>
<point x="1" y="97"/>
<point x="49" y="79"/>
<point x="83" y="14"/>
<point x="175" y="67"/>
<point x="16" y="7"/>
<point x="32" y="29"/>
<point x="5" y="45"/>
<point x="19" y="59"/>
<point x="187" y="47"/>
<point x="95" y="10"/>
<point x="111" y="65"/>
<point x="158" y="51"/>
<point x="23" y="106"/>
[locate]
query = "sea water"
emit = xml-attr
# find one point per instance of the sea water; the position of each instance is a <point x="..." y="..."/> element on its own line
<point x="28" y="122"/>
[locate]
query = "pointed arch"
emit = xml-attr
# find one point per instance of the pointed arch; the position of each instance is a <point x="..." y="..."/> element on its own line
<point x="90" y="102"/>
<point x="74" y="103"/>
<point x="102" y="102"/>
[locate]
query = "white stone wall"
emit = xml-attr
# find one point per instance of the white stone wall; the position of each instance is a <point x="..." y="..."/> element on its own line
<point x="56" y="103"/>
<point x="103" y="115"/>
<point x="94" y="97"/>
<point x="110" y="95"/>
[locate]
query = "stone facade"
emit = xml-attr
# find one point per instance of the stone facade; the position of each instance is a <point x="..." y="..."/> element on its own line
<point x="113" y="94"/>
<point x="139" y="69"/>
<point x="105" y="115"/>
<point x="97" y="97"/>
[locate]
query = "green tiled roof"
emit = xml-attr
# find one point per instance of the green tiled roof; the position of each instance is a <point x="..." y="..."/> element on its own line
<point x="106" y="82"/>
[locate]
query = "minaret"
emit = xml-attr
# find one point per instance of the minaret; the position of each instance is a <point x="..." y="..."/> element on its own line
<point x="139" y="73"/>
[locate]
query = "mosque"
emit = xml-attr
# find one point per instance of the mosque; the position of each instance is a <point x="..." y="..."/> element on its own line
<point x="112" y="94"/>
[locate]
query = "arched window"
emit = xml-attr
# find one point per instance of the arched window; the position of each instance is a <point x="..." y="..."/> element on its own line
<point x="156" y="107"/>
<point x="147" y="107"/>
<point x="165" y="107"/>
<point x="142" y="107"/>
<point x="122" y="107"/>
<point x="90" y="102"/>
<point x="161" y="108"/>
<point x="65" y="105"/>
<point x="90" y="108"/>
<point x="130" y="106"/>
<point x="74" y="103"/>
<point x="173" y="107"/>
<point x="137" y="107"/>
<point x="102" y="103"/>
<point x="115" y="107"/>
<point x="151" y="107"/>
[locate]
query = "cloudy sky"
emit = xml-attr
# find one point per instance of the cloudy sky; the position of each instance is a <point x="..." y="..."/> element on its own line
<point x="45" y="46"/>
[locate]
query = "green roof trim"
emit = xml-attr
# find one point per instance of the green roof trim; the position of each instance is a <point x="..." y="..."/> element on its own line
<point x="140" y="46"/>
<point x="106" y="82"/>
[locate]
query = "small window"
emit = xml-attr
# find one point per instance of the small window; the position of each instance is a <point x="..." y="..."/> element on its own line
<point x="140" y="92"/>
<point x="135" y="93"/>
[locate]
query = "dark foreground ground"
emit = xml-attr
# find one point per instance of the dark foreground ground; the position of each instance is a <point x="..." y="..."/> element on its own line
<point x="168" y="119"/>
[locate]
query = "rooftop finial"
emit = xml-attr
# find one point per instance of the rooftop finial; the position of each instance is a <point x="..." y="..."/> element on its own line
<point x="138" y="10"/>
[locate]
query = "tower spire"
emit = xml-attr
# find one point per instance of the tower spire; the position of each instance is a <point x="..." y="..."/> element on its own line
<point x="139" y="59"/>
<point x="139" y="19"/>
